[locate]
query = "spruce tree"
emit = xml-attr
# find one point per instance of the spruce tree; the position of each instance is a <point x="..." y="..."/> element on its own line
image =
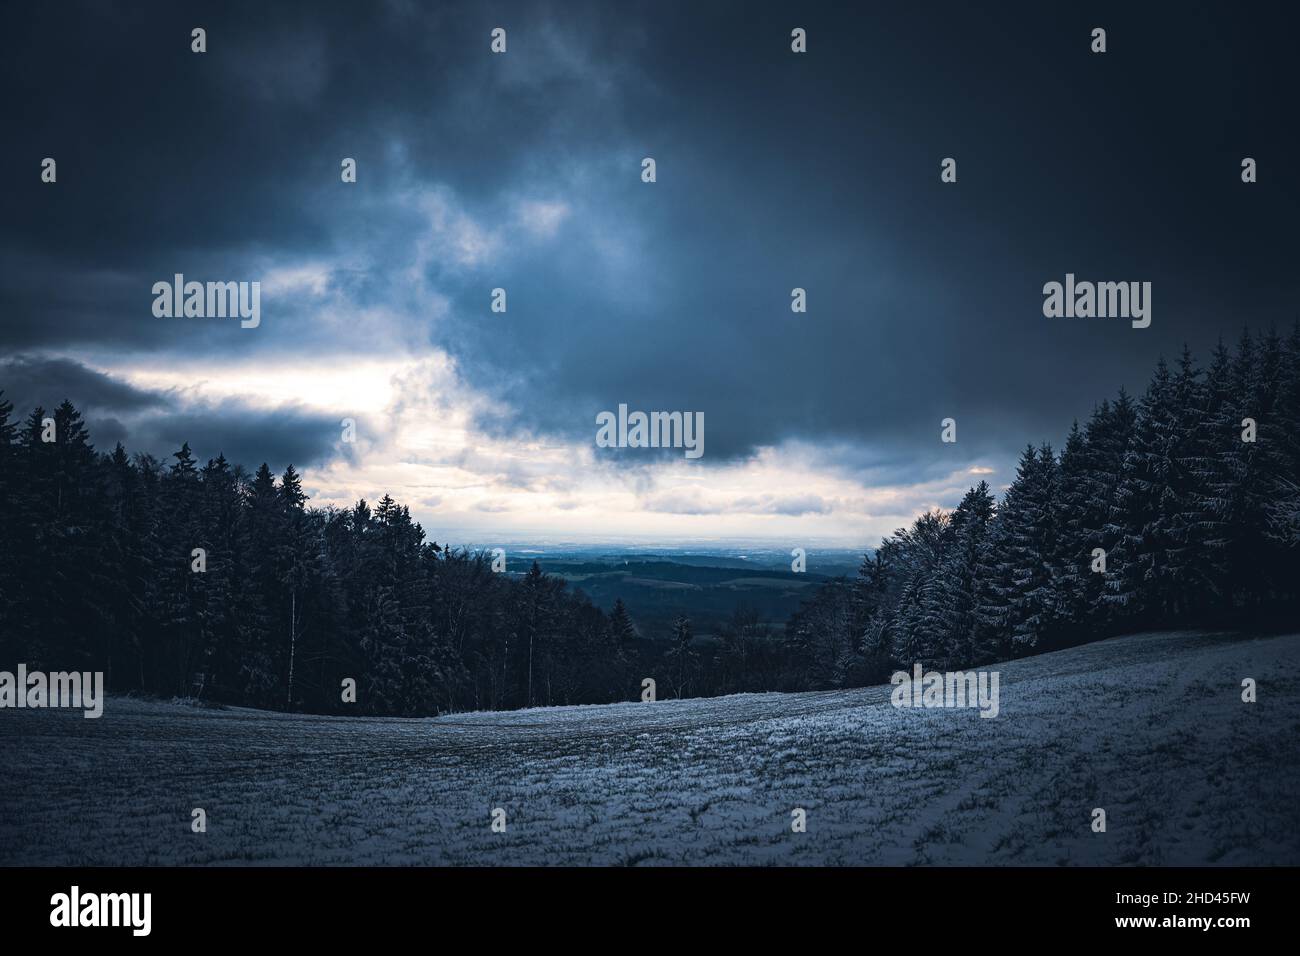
<point x="682" y="659"/>
<point x="968" y="529"/>
<point x="1139" y="587"/>
<point x="12" y="492"/>
<point x="1283" y="515"/>
<point x="620" y="624"/>
<point x="1076" y="535"/>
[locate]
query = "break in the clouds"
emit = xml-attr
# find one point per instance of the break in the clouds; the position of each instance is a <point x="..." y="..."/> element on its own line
<point x="522" y="172"/>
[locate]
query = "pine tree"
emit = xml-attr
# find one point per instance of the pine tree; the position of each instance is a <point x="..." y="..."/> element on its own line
<point x="63" y="589"/>
<point x="681" y="658"/>
<point x="1271" y="475"/>
<point x="918" y="624"/>
<point x="620" y="624"/>
<point x="1076" y="536"/>
<point x="1236" y="478"/>
<point x="1194" y="576"/>
<point x="968" y="529"/>
<point x="1283" y="515"/>
<point x="1023" y="601"/>
<point x="186" y="590"/>
<point x="994" y="589"/>
<point x="295" y="561"/>
<point x="291" y="493"/>
<point x="871" y="614"/>
<point x="12" y="491"/>
<point x="739" y="644"/>
<point x="120" y="546"/>
<point x="1141" y="586"/>
<point x="535" y="613"/>
<point x="259" y="674"/>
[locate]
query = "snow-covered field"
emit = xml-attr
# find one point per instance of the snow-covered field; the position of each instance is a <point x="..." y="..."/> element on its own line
<point x="1151" y="728"/>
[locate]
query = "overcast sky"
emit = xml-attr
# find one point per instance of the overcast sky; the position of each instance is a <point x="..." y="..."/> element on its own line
<point x="522" y="170"/>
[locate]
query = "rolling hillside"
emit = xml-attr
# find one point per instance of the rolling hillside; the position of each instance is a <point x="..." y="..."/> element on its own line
<point x="1150" y="727"/>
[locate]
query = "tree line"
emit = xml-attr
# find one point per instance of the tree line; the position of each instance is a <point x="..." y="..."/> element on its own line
<point x="202" y="580"/>
<point x="1181" y="508"/>
<point x="100" y="570"/>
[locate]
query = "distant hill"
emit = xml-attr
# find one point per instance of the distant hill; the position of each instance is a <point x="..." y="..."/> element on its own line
<point x="707" y="588"/>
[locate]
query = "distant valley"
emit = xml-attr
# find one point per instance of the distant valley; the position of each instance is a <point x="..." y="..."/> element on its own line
<point x="658" y="584"/>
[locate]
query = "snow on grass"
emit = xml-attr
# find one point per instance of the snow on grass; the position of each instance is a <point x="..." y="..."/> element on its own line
<point x="1150" y="727"/>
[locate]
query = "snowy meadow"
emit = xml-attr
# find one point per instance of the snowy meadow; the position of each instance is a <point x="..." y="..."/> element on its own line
<point x="1152" y="728"/>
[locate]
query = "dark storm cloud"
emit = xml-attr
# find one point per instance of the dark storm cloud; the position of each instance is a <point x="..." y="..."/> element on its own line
<point x="924" y="300"/>
<point x="775" y="171"/>
<point x="223" y="164"/>
<point x="36" y="380"/>
<point x="159" y="422"/>
<point x="280" y="437"/>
